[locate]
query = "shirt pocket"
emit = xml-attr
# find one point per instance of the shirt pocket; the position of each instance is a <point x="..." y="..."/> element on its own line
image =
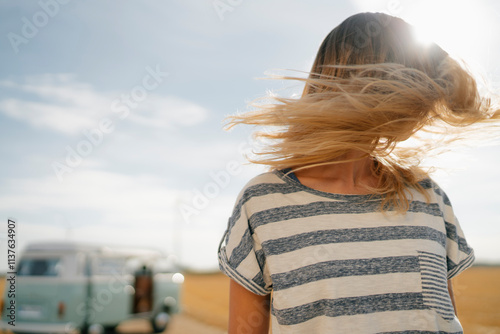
<point x="433" y="273"/>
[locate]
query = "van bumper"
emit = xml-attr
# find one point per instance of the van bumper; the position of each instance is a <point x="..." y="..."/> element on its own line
<point x="36" y="327"/>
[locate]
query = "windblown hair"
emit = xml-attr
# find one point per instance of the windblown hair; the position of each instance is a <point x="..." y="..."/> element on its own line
<point x="371" y="87"/>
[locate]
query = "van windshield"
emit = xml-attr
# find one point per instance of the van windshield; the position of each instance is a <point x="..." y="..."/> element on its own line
<point x="38" y="267"/>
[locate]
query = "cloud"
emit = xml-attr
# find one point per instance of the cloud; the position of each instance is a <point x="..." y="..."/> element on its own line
<point x="65" y="119"/>
<point x="62" y="104"/>
<point x="54" y="101"/>
<point x="61" y="88"/>
<point x="111" y="197"/>
<point x="164" y="112"/>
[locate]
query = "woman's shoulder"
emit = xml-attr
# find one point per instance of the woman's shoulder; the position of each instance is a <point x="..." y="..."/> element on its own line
<point x="263" y="184"/>
<point x="435" y="191"/>
<point x="271" y="178"/>
<point x="430" y="184"/>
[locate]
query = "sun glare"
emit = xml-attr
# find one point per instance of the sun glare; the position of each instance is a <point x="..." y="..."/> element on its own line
<point x="423" y="36"/>
<point x="462" y="28"/>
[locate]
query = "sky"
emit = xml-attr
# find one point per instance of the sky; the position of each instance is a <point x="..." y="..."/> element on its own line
<point x="111" y="113"/>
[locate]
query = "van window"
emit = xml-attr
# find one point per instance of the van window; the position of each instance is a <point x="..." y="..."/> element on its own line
<point x="38" y="267"/>
<point x="109" y="265"/>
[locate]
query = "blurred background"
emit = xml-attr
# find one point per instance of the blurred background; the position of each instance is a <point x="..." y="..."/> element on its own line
<point x="111" y="114"/>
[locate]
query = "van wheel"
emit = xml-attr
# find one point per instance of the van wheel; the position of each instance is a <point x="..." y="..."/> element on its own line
<point x="110" y="329"/>
<point x="160" y="321"/>
<point x="93" y="329"/>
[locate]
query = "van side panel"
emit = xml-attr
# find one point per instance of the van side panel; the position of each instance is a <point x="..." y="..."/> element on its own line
<point x="50" y="299"/>
<point x="111" y="299"/>
<point x="73" y="293"/>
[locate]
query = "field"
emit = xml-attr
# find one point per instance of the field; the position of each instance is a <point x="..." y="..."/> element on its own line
<point x="477" y="294"/>
<point x="206" y="298"/>
<point x="205" y="303"/>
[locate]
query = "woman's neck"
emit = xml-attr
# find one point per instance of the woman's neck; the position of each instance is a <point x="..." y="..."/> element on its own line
<point x="352" y="177"/>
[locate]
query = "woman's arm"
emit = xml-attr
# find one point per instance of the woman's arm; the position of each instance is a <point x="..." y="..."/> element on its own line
<point x="452" y="296"/>
<point x="248" y="312"/>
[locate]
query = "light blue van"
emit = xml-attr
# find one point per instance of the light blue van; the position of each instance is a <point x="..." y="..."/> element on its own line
<point x="73" y="287"/>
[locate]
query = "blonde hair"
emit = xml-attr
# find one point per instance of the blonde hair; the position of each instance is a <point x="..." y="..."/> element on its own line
<point x="371" y="87"/>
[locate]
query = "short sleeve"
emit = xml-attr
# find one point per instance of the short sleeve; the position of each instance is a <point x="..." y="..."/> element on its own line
<point x="240" y="257"/>
<point x="459" y="254"/>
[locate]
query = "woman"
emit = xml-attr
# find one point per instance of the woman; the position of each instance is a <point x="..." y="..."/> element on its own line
<point x="346" y="231"/>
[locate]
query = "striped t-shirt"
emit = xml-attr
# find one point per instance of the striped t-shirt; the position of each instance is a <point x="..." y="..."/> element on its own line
<point x="337" y="264"/>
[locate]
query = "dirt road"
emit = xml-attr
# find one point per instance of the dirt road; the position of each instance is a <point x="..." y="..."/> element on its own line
<point x="181" y="324"/>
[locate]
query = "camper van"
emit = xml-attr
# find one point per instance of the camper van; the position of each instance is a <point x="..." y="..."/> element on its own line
<point x="78" y="288"/>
